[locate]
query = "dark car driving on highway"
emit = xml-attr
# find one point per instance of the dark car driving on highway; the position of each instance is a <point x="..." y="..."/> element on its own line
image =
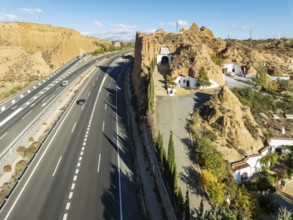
<point x="80" y="101"/>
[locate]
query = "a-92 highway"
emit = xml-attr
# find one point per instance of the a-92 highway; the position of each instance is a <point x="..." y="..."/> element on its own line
<point x="84" y="168"/>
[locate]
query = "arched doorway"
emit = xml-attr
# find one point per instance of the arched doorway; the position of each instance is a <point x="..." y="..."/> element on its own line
<point x="244" y="176"/>
<point x="164" y="60"/>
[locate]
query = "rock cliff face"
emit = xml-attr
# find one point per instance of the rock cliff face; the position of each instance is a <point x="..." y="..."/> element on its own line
<point x="236" y="132"/>
<point x="30" y="51"/>
<point x="190" y="50"/>
<point x="198" y="47"/>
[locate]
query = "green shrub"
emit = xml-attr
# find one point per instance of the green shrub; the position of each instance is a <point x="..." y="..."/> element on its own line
<point x="20" y="166"/>
<point x="216" y="60"/>
<point x="21" y="150"/>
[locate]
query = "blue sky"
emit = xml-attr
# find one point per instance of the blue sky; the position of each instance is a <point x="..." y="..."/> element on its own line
<point x="113" y="19"/>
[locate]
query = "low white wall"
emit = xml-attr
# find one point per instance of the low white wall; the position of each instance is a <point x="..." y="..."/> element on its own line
<point x="232" y="68"/>
<point x="275" y="143"/>
<point x="182" y="81"/>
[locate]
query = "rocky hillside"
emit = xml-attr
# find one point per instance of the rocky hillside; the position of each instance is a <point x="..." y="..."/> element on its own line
<point x="31" y="51"/>
<point x="231" y="126"/>
<point x="196" y="47"/>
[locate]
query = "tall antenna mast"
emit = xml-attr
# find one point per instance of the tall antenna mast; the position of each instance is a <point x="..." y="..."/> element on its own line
<point x="250" y="34"/>
<point x="177" y="25"/>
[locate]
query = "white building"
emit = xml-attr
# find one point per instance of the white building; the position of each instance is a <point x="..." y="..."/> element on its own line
<point x="244" y="169"/>
<point x="277" y="142"/>
<point x="190" y="82"/>
<point x="186" y="82"/>
<point x="164" y="56"/>
<point x="232" y="69"/>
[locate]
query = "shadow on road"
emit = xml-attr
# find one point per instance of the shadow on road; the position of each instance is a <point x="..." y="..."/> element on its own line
<point x="111" y="199"/>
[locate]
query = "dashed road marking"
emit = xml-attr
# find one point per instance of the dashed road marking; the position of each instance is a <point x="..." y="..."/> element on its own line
<point x="73" y="127"/>
<point x="67" y="205"/>
<point x="72" y="186"/>
<point x="3" y="135"/>
<point x="76" y="171"/>
<point x="65" y="216"/>
<point x="70" y="195"/>
<point x="74" y="178"/>
<point x="27" y="114"/>
<point x="99" y="163"/>
<point x="57" y="166"/>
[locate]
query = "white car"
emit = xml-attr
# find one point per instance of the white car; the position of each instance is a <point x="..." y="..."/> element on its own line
<point x="64" y="83"/>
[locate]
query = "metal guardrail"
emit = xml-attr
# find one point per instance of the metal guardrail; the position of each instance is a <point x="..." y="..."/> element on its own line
<point x="157" y="174"/>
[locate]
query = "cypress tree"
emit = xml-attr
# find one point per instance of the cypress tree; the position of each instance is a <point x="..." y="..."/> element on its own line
<point x="186" y="206"/>
<point x="203" y="79"/>
<point x="171" y="153"/>
<point x="179" y="204"/>
<point x="161" y="153"/>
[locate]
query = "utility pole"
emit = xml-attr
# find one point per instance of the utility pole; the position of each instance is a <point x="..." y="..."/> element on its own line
<point x="250" y="34"/>
<point x="177" y="25"/>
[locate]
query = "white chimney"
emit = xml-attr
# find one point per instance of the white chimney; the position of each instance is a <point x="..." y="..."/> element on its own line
<point x="283" y="130"/>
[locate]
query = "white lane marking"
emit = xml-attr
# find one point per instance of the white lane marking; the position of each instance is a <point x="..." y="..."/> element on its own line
<point x="76" y="171"/>
<point x="10" y="116"/>
<point x="73" y="127"/>
<point x="48" y="101"/>
<point x="14" y="107"/>
<point x="103" y="126"/>
<point x="99" y="163"/>
<point x="74" y="178"/>
<point x="70" y="195"/>
<point x="44" y="99"/>
<point x="27" y="114"/>
<point x="51" y="98"/>
<point x="57" y="166"/>
<point x="82" y="148"/>
<point x="118" y="146"/>
<point x="3" y="135"/>
<point x="67" y="205"/>
<point x="72" y="186"/>
<point x="42" y="156"/>
<point x="105" y="106"/>
<point x="65" y="216"/>
<point x="78" y="164"/>
<point x="89" y="94"/>
<point x="81" y="153"/>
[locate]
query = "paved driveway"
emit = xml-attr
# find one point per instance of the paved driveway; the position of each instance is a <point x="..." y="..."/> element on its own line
<point x="172" y="115"/>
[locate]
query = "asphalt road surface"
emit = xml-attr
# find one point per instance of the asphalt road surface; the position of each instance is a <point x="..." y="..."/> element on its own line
<point x="84" y="168"/>
<point x="20" y="116"/>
